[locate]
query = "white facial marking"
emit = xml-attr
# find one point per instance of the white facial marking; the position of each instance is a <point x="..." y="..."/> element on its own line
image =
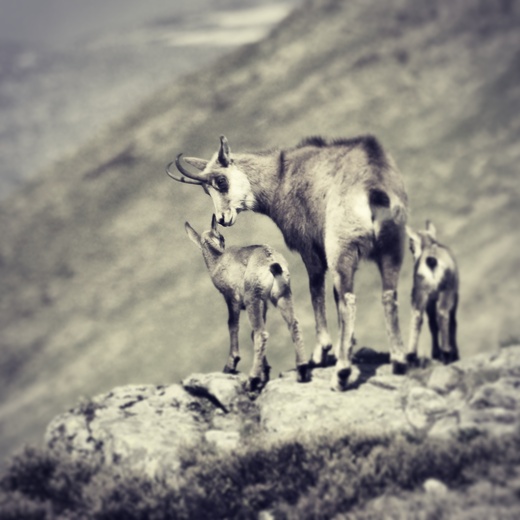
<point x="240" y="193"/>
<point x="238" y="197"/>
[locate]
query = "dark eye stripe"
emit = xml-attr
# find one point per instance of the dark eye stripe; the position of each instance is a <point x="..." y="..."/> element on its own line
<point x="221" y="184"/>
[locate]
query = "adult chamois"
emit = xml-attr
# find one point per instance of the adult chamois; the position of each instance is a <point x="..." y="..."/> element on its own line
<point x="249" y="278"/>
<point x="336" y="202"/>
<point x="436" y="291"/>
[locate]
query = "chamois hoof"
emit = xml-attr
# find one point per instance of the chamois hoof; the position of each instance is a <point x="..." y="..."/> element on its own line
<point x="330" y="360"/>
<point x="398" y="368"/>
<point x="254" y="384"/>
<point x="412" y="360"/>
<point x="340" y="379"/>
<point x="232" y="369"/>
<point x="326" y="358"/>
<point x="228" y="370"/>
<point x="304" y="373"/>
<point x="448" y="357"/>
<point x="266" y="374"/>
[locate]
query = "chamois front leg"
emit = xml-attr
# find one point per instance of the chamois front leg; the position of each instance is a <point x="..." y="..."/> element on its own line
<point x="233" y="325"/>
<point x="416" y="322"/>
<point x="259" y="375"/>
<point x="419" y="300"/>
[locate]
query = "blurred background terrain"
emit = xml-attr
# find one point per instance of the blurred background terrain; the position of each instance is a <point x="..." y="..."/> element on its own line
<point x="99" y="284"/>
<point x="69" y="68"/>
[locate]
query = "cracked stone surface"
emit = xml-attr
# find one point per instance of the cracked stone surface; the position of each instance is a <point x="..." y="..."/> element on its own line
<point x="147" y="427"/>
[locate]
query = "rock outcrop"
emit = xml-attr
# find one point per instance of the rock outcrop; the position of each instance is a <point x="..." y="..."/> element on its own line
<point x="147" y="427"/>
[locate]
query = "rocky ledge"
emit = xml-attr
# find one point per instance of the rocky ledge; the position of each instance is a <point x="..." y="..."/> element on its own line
<point x="148" y="427"/>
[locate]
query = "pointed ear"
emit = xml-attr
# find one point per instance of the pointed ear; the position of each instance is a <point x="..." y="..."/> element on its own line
<point x="200" y="164"/>
<point x="192" y="234"/>
<point x="411" y="233"/>
<point x="224" y="154"/>
<point x="430" y="229"/>
<point x="415" y="242"/>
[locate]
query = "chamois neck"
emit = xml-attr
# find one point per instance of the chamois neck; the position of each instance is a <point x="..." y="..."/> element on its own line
<point x="211" y="257"/>
<point x="263" y="171"/>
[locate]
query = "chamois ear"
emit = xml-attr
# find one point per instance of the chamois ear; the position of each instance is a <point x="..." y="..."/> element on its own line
<point x="411" y="233"/>
<point x="415" y="242"/>
<point x="430" y="229"/>
<point x="224" y="154"/>
<point x="192" y="234"/>
<point x="200" y="164"/>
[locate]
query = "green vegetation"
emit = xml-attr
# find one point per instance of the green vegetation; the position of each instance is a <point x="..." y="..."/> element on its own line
<point x="299" y="479"/>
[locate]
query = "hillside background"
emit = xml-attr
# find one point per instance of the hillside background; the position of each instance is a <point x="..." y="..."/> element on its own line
<point x="100" y="286"/>
<point x="69" y="69"/>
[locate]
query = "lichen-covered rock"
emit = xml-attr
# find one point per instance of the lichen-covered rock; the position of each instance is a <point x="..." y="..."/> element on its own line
<point x="444" y="379"/>
<point x="424" y="407"/>
<point x="141" y="426"/>
<point x="369" y="405"/>
<point x="226" y="390"/>
<point x="148" y="427"/>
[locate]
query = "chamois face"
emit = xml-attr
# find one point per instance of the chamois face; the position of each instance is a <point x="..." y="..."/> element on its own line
<point x="230" y="192"/>
<point x="210" y="240"/>
<point x="226" y="184"/>
<point x="228" y="187"/>
<point x="213" y="240"/>
<point x="428" y="254"/>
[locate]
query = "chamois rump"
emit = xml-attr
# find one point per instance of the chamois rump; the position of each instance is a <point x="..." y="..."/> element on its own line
<point x="436" y="291"/>
<point x="248" y="278"/>
<point x="336" y="203"/>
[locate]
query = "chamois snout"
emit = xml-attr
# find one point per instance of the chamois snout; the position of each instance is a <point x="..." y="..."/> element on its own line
<point x="431" y="262"/>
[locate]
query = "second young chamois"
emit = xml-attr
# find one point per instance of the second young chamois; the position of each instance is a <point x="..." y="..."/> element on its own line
<point x="436" y="290"/>
<point x="248" y="278"/>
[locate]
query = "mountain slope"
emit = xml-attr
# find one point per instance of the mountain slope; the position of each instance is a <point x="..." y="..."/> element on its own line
<point x="100" y="287"/>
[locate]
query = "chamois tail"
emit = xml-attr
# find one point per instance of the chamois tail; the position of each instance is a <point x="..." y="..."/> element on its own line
<point x="276" y="269"/>
<point x="281" y="284"/>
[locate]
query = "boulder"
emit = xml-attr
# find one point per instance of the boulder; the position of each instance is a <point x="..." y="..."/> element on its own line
<point x="147" y="427"/>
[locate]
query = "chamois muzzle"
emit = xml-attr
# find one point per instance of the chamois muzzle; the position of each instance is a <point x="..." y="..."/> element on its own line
<point x="196" y="179"/>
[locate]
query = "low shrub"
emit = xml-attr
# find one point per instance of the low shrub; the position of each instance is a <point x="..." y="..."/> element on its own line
<point x="300" y="479"/>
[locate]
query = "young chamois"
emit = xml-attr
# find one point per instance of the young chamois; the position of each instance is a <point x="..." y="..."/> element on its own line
<point x="436" y="290"/>
<point x="248" y="278"/>
<point x="336" y="203"/>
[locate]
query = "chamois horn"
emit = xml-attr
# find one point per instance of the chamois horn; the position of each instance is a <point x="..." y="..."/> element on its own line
<point x="196" y="179"/>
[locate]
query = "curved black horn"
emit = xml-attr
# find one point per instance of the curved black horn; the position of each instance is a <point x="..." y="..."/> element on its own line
<point x="180" y="179"/>
<point x="201" y="179"/>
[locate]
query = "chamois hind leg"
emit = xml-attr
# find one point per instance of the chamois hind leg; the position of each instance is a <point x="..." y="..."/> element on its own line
<point x="285" y="304"/>
<point x="344" y="269"/>
<point x="431" y="311"/>
<point x="316" y="271"/>
<point x="259" y="375"/>
<point x="445" y="304"/>
<point x="416" y="322"/>
<point x="233" y="323"/>
<point x="453" y="330"/>
<point x="389" y="265"/>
